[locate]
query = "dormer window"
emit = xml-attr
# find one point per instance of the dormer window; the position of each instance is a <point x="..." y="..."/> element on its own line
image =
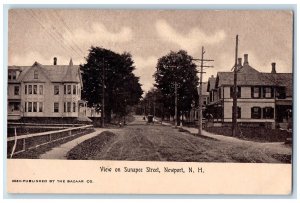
<point x="36" y="74"/>
<point x="12" y="75"/>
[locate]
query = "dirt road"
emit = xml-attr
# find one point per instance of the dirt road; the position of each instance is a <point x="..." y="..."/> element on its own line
<point x="142" y="142"/>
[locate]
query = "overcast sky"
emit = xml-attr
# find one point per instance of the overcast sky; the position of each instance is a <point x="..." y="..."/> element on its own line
<point x="40" y="35"/>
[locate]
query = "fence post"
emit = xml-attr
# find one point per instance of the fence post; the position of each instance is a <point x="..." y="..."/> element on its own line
<point x="15" y="144"/>
<point x="24" y="144"/>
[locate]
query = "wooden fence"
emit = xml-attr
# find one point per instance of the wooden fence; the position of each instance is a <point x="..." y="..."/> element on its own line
<point x="22" y="143"/>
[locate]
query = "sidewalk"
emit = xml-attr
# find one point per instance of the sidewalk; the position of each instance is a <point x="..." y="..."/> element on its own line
<point x="194" y="131"/>
<point x="61" y="151"/>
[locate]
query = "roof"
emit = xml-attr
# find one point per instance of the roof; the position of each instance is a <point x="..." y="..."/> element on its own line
<point x="204" y="89"/>
<point x="282" y="79"/>
<point x="248" y="76"/>
<point x="55" y="73"/>
<point x="211" y="84"/>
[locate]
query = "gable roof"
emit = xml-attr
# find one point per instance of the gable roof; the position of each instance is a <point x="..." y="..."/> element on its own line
<point x="248" y="76"/>
<point x="282" y="79"/>
<point x="55" y="73"/>
<point x="204" y="88"/>
<point x="211" y="84"/>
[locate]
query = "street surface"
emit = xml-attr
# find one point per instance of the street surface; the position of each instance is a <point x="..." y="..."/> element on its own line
<point x="155" y="142"/>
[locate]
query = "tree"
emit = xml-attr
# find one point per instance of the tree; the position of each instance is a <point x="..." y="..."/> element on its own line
<point x="122" y="87"/>
<point x="177" y="68"/>
<point x="152" y="103"/>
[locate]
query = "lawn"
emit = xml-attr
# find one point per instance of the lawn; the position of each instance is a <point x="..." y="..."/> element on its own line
<point x="252" y="133"/>
<point x="89" y="148"/>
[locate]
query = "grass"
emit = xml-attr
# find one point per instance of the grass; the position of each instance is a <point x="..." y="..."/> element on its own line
<point x="252" y="133"/>
<point x="36" y="152"/>
<point x="28" y="130"/>
<point x="89" y="148"/>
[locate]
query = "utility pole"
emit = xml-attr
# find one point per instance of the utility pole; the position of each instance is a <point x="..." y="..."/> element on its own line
<point x="175" y="104"/>
<point x="154" y="100"/>
<point x="103" y="92"/>
<point x="234" y="113"/>
<point x="202" y="60"/>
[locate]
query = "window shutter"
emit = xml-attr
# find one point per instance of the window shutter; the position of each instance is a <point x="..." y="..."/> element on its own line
<point x="272" y="92"/>
<point x="272" y="112"/>
<point x="264" y="112"/>
<point x="252" y="96"/>
<point x="259" y="113"/>
<point x="264" y="92"/>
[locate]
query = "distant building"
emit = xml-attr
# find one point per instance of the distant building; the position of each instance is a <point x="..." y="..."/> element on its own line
<point x="44" y="91"/>
<point x="194" y="112"/>
<point x="262" y="97"/>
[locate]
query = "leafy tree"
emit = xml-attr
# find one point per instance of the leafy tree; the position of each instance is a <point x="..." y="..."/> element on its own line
<point x="152" y="103"/>
<point x="177" y="68"/>
<point x="122" y="87"/>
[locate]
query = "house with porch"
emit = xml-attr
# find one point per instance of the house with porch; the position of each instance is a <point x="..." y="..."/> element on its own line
<point x="44" y="91"/>
<point x="262" y="98"/>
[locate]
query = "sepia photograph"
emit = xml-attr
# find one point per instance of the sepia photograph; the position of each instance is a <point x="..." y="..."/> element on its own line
<point x="156" y="86"/>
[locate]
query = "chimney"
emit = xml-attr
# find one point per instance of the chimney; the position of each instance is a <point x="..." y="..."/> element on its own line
<point x="239" y="62"/>
<point x="246" y="59"/>
<point x="55" y="61"/>
<point x="273" y="67"/>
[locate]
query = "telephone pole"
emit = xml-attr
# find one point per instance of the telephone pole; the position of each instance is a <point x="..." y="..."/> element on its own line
<point x="202" y="60"/>
<point x="234" y="110"/>
<point x="103" y="92"/>
<point x="175" y="104"/>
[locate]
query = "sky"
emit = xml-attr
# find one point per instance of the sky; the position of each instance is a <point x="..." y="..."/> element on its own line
<point x="42" y="34"/>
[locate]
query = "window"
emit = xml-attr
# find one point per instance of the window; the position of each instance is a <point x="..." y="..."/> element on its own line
<point x="41" y="89"/>
<point x="56" y="89"/>
<point x="268" y="112"/>
<point x="29" y="89"/>
<point x="256" y="112"/>
<point x="268" y="92"/>
<point x="40" y="106"/>
<point x="12" y="75"/>
<point x="25" y="106"/>
<point x="280" y="93"/>
<point x="17" y="90"/>
<point x="255" y="92"/>
<point x="68" y="106"/>
<point x="74" y="89"/>
<point x="65" y="89"/>
<point x="15" y="106"/>
<point x="56" y="107"/>
<point x="34" y="89"/>
<point x="74" y="107"/>
<point x="238" y="113"/>
<point x="25" y="89"/>
<point x="36" y="74"/>
<point x="29" y="106"/>
<point x="69" y="89"/>
<point x="238" y="89"/>
<point x="34" y="108"/>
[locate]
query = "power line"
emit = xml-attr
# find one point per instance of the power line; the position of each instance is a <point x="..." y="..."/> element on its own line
<point x="65" y="25"/>
<point x="54" y="33"/>
<point x="33" y="15"/>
